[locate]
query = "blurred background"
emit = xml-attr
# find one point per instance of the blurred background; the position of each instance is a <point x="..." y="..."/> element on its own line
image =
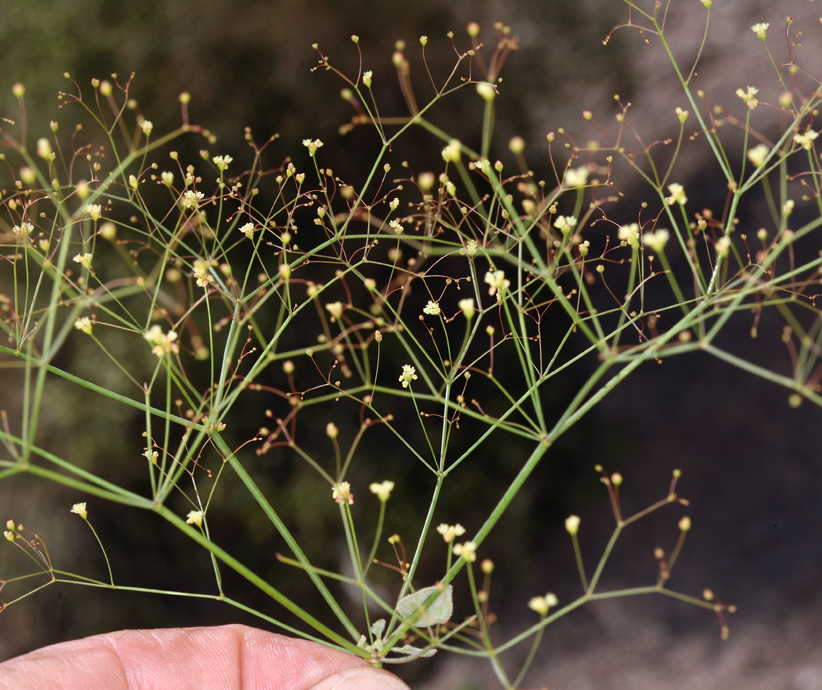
<point x="751" y="464"/>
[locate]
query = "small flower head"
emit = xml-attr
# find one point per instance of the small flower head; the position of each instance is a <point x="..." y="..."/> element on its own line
<point x="432" y="308"/>
<point x="93" y="211"/>
<point x="449" y="532"/>
<point x="396" y="226"/>
<point x="426" y="181"/>
<point x="452" y="152"/>
<point x="749" y="97"/>
<point x="516" y="145"/>
<point x="312" y="146"/>
<point x="195" y="517"/>
<point x="685" y="524"/>
<point x="565" y="224"/>
<point x="681" y="115"/>
<point x="83" y="324"/>
<point x="247" y="229"/>
<point x="191" y="199"/>
<point x="806" y="140"/>
<point x="758" y="154"/>
<point x="629" y="234"/>
<point x="542" y="604"/>
<point x="147" y="126"/>
<point x="497" y="282"/>
<point x="408" y="375"/>
<point x="572" y="524"/>
<point x="201" y="273"/>
<point x="723" y="245"/>
<point x="164" y="343"/>
<point x="577" y="177"/>
<point x="468" y="551"/>
<point x="467" y="307"/>
<point x="366" y="78"/>
<point x="677" y="195"/>
<point x="486" y="91"/>
<point x="382" y="489"/>
<point x="787" y="207"/>
<point x="44" y="149"/>
<point x="761" y="30"/>
<point x="23" y="230"/>
<point x="84" y="260"/>
<point x="470" y="249"/>
<point x="167" y="177"/>
<point x="331" y="430"/>
<point x="656" y="241"/>
<point x="335" y="309"/>
<point x="342" y="493"/>
<point x="80" y="509"/>
<point x="222" y="162"/>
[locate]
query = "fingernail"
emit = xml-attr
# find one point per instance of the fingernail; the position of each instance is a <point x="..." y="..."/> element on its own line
<point x="362" y="679"/>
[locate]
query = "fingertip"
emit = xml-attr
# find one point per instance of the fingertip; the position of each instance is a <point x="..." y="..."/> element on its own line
<point x="361" y="679"/>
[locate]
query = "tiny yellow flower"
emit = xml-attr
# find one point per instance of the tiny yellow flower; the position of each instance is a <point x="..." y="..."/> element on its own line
<point x="677" y="195"/>
<point x="516" y="145"/>
<point x="497" y="281"/>
<point x="164" y="343"/>
<point x="432" y="308"/>
<point x="168" y="178"/>
<point x="335" y="309"/>
<point x="201" y="274"/>
<point x="572" y="524"/>
<point x="760" y="30"/>
<point x="195" y="517"/>
<point x="685" y="524"/>
<point x="84" y="260"/>
<point x="452" y="152"/>
<point x="23" y="230"/>
<point x="467" y="307"/>
<point x="396" y="226"/>
<point x="191" y="199"/>
<point x="576" y="177"/>
<point x="542" y="604"/>
<point x="93" y="210"/>
<point x="656" y="241"/>
<point x="723" y="245"/>
<point x="565" y="224"/>
<point x="44" y="148"/>
<point x="80" y="509"/>
<point x="806" y="140"/>
<point x="83" y="324"/>
<point x="470" y="248"/>
<point x="312" y="146"/>
<point x="222" y="162"/>
<point x="448" y="532"/>
<point x="382" y="489"/>
<point x="342" y="493"/>
<point x="408" y="375"/>
<point x="147" y="126"/>
<point x="758" y="154"/>
<point x="468" y="551"/>
<point x="749" y="97"/>
<point x="629" y="234"/>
